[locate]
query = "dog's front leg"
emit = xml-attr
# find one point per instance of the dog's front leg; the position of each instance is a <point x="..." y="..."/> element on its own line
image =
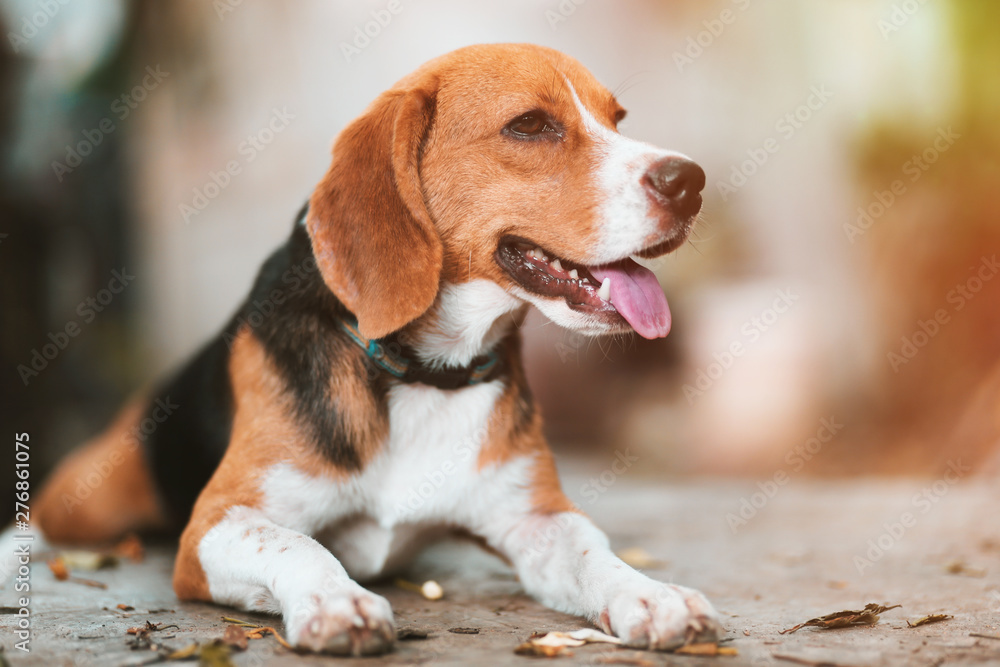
<point x="565" y="562"/>
<point x="252" y="563"/>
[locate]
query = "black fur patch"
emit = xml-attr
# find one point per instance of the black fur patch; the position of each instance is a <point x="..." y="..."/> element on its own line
<point x="185" y="447"/>
<point x="297" y="319"/>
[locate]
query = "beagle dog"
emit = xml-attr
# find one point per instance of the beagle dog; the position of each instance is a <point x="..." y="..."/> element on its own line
<point x="370" y="393"/>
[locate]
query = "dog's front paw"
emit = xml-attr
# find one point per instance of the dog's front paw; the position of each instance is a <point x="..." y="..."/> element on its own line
<point x="354" y="622"/>
<point x="660" y="616"/>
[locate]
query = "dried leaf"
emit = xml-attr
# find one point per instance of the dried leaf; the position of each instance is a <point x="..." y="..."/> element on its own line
<point x="125" y="607"/>
<point x="842" y="619"/>
<point x="707" y="648"/>
<point x="555" y="640"/>
<point x="464" y="631"/>
<point x="87" y="560"/>
<point x="59" y="570"/>
<point x="636" y="661"/>
<point x="933" y="618"/>
<point x="551" y="644"/>
<point x="189" y="651"/>
<point x="235" y="637"/>
<point x="258" y="633"/>
<point x="962" y="569"/>
<point x="151" y="627"/>
<point x="592" y="636"/>
<point x="532" y="649"/>
<point x="802" y="661"/>
<point x="574" y="638"/>
<point x="93" y="583"/>
<point x="214" y="655"/>
<point x="130" y="548"/>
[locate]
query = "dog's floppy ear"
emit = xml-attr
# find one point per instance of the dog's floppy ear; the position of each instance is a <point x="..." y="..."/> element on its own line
<point x="375" y="243"/>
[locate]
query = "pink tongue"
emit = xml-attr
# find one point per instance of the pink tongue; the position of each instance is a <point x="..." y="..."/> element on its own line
<point x="636" y="295"/>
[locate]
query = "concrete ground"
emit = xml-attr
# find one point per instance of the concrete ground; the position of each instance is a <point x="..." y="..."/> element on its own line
<point x="810" y="549"/>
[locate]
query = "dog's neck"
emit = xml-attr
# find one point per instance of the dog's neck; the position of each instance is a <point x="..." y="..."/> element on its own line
<point x="467" y="320"/>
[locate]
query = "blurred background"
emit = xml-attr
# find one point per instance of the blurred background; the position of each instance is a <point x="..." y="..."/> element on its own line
<point x="836" y="312"/>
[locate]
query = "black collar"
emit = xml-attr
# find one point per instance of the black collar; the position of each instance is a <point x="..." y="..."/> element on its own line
<point x="394" y="358"/>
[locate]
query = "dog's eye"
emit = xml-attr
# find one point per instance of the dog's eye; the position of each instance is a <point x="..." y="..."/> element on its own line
<point x="529" y="125"/>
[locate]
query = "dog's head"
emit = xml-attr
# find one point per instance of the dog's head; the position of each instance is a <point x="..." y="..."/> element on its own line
<point x="501" y="163"/>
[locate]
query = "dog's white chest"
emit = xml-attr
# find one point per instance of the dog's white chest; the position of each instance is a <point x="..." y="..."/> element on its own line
<point x="426" y="475"/>
<point x="430" y="461"/>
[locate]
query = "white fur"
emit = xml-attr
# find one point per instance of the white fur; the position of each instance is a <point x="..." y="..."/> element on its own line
<point x="557" y="310"/>
<point x="470" y="321"/>
<point x="566" y="563"/>
<point x="253" y="562"/>
<point x="626" y="220"/>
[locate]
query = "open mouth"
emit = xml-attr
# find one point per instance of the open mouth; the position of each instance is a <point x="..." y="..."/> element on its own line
<point x="618" y="293"/>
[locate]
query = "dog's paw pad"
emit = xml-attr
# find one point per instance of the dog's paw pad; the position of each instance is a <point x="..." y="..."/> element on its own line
<point x="356" y="623"/>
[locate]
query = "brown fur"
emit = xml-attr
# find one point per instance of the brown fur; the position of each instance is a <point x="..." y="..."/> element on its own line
<point x="102" y="490"/>
<point x="265" y="433"/>
<point x="374" y="241"/>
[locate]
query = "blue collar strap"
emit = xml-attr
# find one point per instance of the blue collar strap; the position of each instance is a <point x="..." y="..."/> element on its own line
<point x="390" y="356"/>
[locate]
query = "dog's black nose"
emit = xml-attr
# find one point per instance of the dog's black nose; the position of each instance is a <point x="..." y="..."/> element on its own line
<point x="680" y="181"/>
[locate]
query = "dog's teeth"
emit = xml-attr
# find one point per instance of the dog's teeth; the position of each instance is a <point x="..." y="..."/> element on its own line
<point x="605" y="290"/>
<point x="539" y="254"/>
<point x="556" y="265"/>
<point x="574" y="274"/>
